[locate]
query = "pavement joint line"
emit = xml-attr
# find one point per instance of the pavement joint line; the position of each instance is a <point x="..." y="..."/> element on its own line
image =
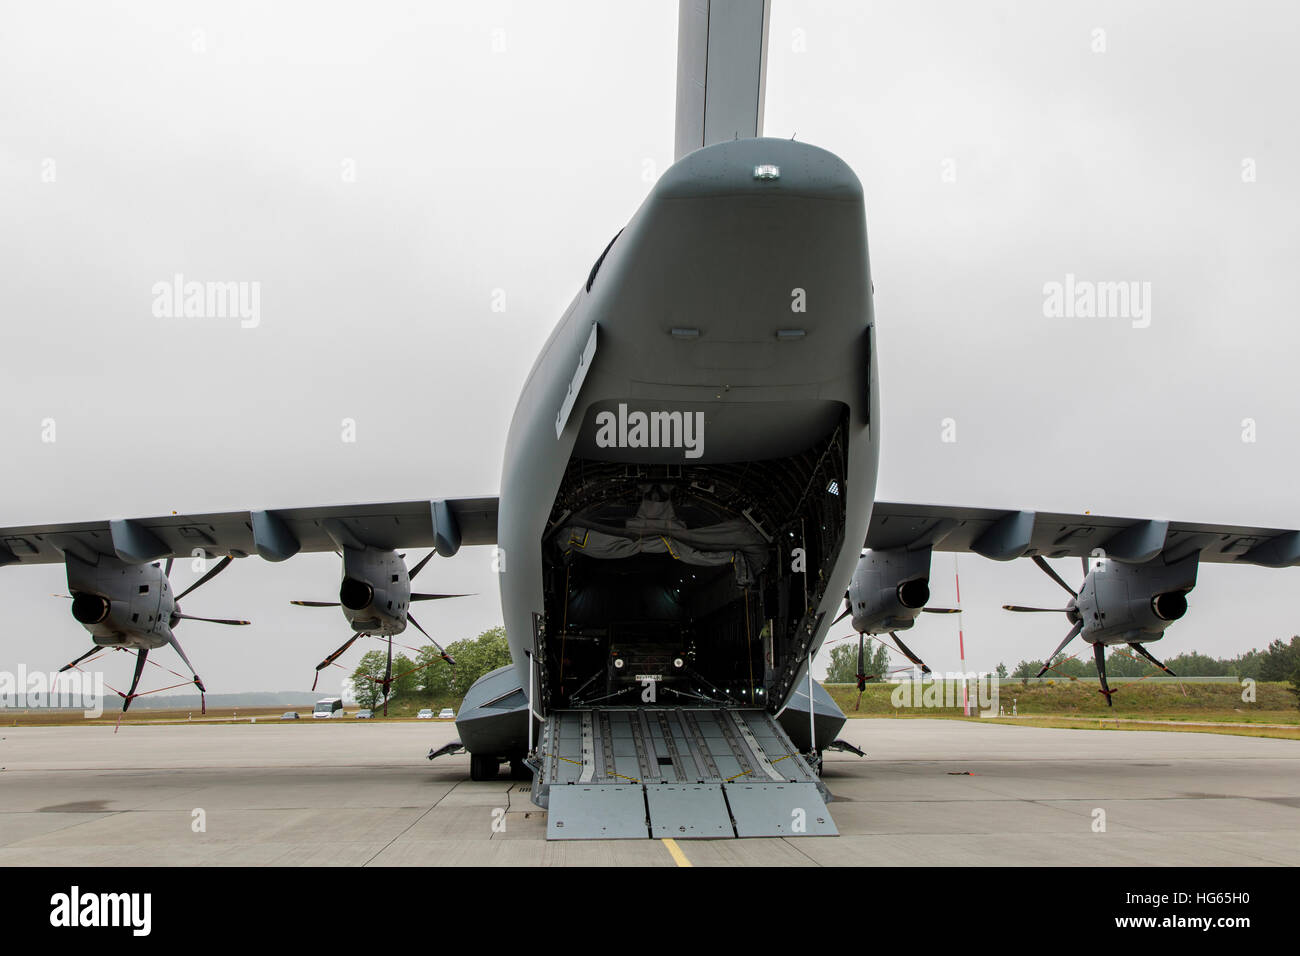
<point x="794" y="845"/>
<point x="407" y="828"/>
<point x="72" y="825"/>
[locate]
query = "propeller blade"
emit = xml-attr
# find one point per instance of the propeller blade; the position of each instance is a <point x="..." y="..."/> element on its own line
<point x="420" y="567"/>
<point x="1099" y="654"/>
<point x="435" y="597"/>
<point x="862" y="676"/>
<point x="316" y="603"/>
<point x="210" y="620"/>
<point x="848" y="609"/>
<point x="862" y="667"/>
<point x="1030" y="610"/>
<point x="388" y="673"/>
<point x="140" y="658"/>
<point x="203" y="691"/>
<point x="441" y="653"/>
<point x="941" y="610"/>
<point x="337" y="654"/>
<point x="217" y="569"/>
<point x="1048" y="570"/>
<point x="1149" y="656"/>
<point x="93" y="650"/>
<point x="1074" y="632"/>
<point x="907" y="652"/>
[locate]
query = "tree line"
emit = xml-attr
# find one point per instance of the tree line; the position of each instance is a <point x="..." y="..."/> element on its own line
<point x="428" y="678"/>
<point x="1280" y="661"/>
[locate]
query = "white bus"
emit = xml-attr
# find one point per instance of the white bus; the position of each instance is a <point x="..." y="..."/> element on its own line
<point x="327" y="707"/>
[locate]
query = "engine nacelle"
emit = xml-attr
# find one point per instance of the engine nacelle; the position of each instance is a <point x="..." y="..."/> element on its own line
<point x="888" y="590"/>
<point x="1134" y="603"/>
<point x="375" y="591"/>
<point x="116" y="601"/>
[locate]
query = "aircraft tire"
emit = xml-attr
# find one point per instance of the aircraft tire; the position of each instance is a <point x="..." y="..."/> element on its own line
<point x="483" y="766"/>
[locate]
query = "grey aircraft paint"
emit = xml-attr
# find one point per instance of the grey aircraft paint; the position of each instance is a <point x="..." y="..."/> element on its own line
<point x="716" y="367"/>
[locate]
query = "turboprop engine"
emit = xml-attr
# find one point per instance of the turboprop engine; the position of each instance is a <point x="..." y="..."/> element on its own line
<point x="131" y="607"/>
<point x="1120" y="603"/>
<point x="887" y="592"/>
<point x="376" y="597"/>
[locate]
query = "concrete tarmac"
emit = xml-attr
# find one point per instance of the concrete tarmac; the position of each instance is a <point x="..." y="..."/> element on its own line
<point x="930" y="793"/>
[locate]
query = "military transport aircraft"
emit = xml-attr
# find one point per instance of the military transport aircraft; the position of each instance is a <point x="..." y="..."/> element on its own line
<point x="689" y="480"/>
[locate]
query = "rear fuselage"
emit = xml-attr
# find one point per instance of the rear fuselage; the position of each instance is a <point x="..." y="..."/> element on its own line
<point x="684" y="505"/>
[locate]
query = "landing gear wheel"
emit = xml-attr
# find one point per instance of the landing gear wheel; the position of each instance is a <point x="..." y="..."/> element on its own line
<point x="483" y="766"/>
<point x="520" y="770"/>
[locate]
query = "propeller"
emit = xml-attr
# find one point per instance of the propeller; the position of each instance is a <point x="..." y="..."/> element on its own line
<point x="388" y="679"/>
<point x="387" y="682"/>
<point x="907" y="652"/>
<point x="1051" y="573"/>
<point x="177" y="615"/>
<point x="211" y="620"/>
<point x="1071" y="612"/>
<point x="420" y="566"/>
<point x="330" y="659"/>
<point x="441" y="653"/>
<point x="848" y="609"/>
<point x="142" y="655"/>
<point x="863" y="677"/>
<point x="1151" y="657"/>
<point x="1074" y="632"/>
<point x="73" y="664"/>
<point x="216" y="569"/>
<point x="1099" y="655"/>
<point x="862" y="668"/>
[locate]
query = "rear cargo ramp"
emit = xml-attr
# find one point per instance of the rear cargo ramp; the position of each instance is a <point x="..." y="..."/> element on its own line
<point x="681" y="772"/>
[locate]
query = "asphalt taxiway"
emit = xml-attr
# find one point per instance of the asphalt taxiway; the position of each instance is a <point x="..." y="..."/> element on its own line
<point x="930" y="792"/>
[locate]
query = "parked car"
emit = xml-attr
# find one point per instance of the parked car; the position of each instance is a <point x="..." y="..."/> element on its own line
<point x="425" y="714"/>
<point x="446" y="714"/>
<point x="365" y="715"/>
<point x="289" y="715"/>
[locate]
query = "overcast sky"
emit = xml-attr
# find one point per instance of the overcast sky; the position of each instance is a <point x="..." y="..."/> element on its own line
<point x="388" y="171"/>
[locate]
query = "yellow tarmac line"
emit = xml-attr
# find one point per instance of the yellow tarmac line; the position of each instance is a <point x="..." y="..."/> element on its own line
<point x="676" y="852"/>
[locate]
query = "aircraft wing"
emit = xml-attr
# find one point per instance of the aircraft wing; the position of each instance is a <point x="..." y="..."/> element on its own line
<point x="443" y="524"/>
<point x="1003" y="535"/>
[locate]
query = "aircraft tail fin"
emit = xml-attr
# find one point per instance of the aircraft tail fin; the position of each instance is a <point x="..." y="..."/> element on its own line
<point x="721" y="71"/>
